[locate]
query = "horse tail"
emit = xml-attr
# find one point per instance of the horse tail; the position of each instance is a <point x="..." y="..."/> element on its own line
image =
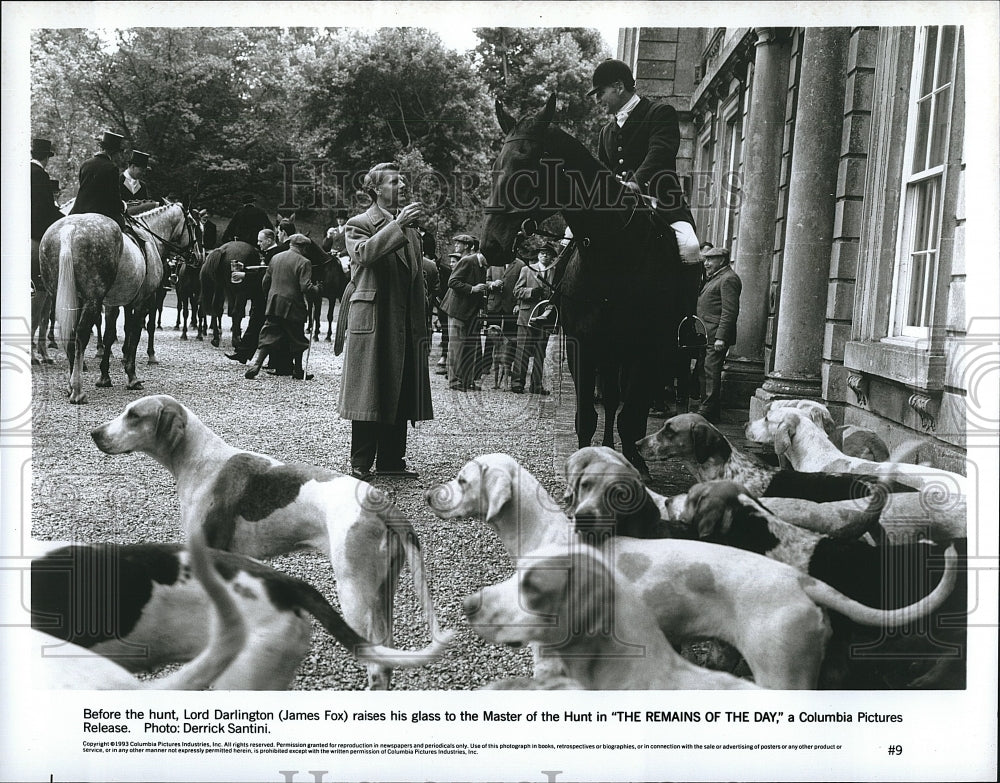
<point x="67" y="303"/>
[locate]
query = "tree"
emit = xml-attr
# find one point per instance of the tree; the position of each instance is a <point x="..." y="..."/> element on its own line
<point x="522" y="66"/>
<point x="399" y="94"/>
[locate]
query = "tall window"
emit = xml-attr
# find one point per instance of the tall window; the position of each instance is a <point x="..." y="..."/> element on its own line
<point x="928" y="132"/>
<point x="729" y="174"/>
<point x="703" y="189"/>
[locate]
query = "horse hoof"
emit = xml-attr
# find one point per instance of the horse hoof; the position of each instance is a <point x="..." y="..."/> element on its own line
<point x="35" y="361"/>
<point x="81" y="400"/>
<point x="103" y="383"/>
<point x="53" y="344"/>
<point x="135" y="386"/>
<point x="215" y="342"/>
<point x="49" y="360"/>
<point x="153" y="360"/>
<point x="201" y="339"/>
<point x="184" y="337"/>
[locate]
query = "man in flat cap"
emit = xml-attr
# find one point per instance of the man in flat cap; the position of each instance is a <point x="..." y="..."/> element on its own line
<point x="532" y="287"/>
<point x="719" y="308"/>
<point x="248" y="221"/>
<point x="286" y="282"/>
<point x="640" y="145"/>
<point x="133" y="181"/>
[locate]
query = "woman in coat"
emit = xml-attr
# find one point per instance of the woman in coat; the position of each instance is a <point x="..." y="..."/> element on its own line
<point x="385" y="379"/>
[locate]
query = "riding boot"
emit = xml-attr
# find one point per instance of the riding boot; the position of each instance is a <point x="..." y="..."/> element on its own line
<point x="258" y="362"/>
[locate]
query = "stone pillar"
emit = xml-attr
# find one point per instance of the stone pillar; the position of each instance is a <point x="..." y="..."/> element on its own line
<point x="812" y="189"/>
<point x="759" y="195"/>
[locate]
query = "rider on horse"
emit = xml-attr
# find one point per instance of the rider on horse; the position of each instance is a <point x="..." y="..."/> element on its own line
<point x="100" y="187"/>
<point x="639" y="144"/>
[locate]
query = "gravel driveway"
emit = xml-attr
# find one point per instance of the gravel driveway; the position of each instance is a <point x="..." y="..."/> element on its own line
<point x="80" y="494"/>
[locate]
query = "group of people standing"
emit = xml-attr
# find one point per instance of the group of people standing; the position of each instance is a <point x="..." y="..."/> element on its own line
<point x="387" y="309"/>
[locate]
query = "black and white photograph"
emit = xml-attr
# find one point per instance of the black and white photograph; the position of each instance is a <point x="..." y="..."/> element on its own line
<point x="516" y="391"/>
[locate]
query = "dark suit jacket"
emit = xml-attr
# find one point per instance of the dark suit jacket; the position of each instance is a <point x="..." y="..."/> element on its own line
<point x="719" y="305"/>
<point x="248" y="221"/>
<point x="44" y="211"/>
<point x="100" y="189"/>
<point x="644" y="149"/>
<point x="285" y="282"/>
<point x="459" y="302"/>
<point x="502" y="302"/>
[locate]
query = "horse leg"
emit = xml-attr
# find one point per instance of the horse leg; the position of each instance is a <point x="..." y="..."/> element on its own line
<point x="109" y="336"/>
<point x="610" y="397"/>
<point x="134" y="321"/>
<point x="76" y="344"/>
<point x="151" y="327"/>
<point x="582" y="368"/>
<point x="329" y="320"/>
<point x="637" y="381"/>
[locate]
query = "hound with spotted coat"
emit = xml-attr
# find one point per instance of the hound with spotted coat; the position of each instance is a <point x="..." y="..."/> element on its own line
<point x="258" y="506"/>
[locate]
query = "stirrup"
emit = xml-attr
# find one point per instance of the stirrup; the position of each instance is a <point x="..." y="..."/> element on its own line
<point x="547" y="319"/>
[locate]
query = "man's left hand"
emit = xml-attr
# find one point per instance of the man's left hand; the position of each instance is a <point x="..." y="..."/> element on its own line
<point x="720" y="345"/>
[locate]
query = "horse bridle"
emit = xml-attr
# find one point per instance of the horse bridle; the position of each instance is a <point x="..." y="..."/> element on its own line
<point x="188" y="254"/>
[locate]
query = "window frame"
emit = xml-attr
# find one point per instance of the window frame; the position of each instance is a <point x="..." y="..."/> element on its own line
<point x="899" y="331"/>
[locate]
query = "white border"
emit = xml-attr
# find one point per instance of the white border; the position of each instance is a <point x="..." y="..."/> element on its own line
<point x="950" y="736"/>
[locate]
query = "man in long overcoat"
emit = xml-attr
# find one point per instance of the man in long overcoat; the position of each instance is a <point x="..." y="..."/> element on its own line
<point x="719" y="308"/>
<point x="385" y="382"/>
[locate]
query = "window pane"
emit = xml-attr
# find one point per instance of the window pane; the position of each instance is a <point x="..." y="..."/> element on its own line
<point x="939" y="131"/>
<point x="925" y="216"/>
<point x="946" y="63"/>
<point x="920" y="132"/>
<point x="930" y="54"/>
<point x="923" y="253"/>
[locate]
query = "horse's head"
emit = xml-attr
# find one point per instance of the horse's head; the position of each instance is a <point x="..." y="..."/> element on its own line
<point x="519" y="181"/>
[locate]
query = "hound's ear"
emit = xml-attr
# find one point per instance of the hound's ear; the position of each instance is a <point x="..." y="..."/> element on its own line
<point x="783" y="435"/>
<point x="507" y="122"/>
<point x="713" y="516"/>
<point x="548" y="112"/>
<point x="642" y="522"/>
<point x="170" y="424"/>
<point x="497" y="486"/>
<point x="822" y="418"/>
<point x="707" y="441"/>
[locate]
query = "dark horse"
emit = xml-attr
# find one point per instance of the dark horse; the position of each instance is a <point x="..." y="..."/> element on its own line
<point x="624" y="291"/>
<point x="326" y="269"/>
<point x="216" y="284"/>
<point x="87" y="262"/>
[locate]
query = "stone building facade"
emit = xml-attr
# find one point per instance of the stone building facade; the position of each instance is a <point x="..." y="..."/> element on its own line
<point x="830" y="162"/>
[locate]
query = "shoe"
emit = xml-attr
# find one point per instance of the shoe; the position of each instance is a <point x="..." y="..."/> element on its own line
<point x="298" y="375"/>
<point x="403" y="472"/>
<point x="442" y="371"/>
<point x="236" y="358"/>
<point x="546" y="319"/>
<point x="516" y="390"/>
<point x="456" y="387"/>
<point x="473" y="387"/>
<point x="540" y="392"/>
<point x="280" y="373"/>
<point x="441" y="362"/>
<point x="252" y="372"/>
<point x="361" y="474"/>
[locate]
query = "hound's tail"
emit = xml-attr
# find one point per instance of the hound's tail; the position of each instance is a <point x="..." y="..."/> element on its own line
<point x="229" y="632"/>
<point x="310" y="599"/>
<point x="403" y="528"/>
<point x="67" y="303"/>
<point x="826" y="596"/>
